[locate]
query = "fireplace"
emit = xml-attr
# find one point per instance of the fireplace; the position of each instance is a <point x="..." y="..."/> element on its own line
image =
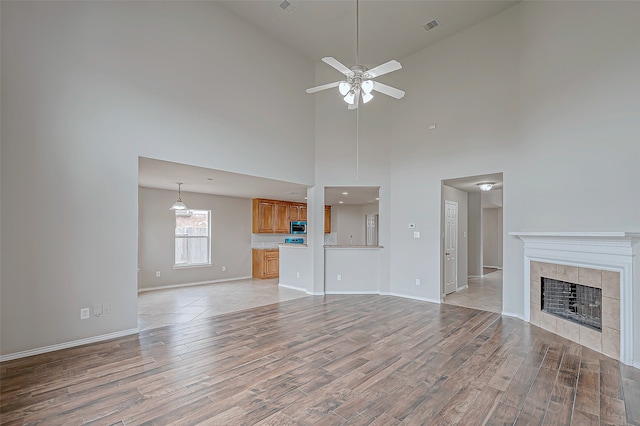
<point x="574" y="302"/>
<point x="607" y="263"/>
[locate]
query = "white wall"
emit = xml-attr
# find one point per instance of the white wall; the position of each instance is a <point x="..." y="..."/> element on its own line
<point x="492" y="237"/>
<point x="474" y="232"/>
<point x="358" y="268"/>
<point x="230" y="238"/>
<point x="555" y="109"/>
<point x="87" y="88"/>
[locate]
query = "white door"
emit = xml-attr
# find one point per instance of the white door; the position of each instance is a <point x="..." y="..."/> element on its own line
<point x="450" y="247"/>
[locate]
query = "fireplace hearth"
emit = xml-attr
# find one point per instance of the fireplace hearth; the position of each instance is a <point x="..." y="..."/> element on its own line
<point x="573" y="302"/>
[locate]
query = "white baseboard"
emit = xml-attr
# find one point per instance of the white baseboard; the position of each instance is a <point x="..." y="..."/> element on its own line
<point x="291" y="287"/>
<point x="166" y="287"/>
<point x="67" y="345"/>
<point x="636" y="364"/>
<point x="311" y="293"/>
<point x="352" y="292"/>
<point x="474" y="276"/>
<point x="512" y="315"/>
<point x="494" y="267"/>
<point x="462" y="288"/>
<point x="406" y="296"/>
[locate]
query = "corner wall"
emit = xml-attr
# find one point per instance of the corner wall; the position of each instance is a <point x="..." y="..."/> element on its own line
<point x="87" y="88"/>
<point x="556" y="110"/>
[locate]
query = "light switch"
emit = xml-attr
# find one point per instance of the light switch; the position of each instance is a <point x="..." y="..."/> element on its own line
<point x="416" y="234"/>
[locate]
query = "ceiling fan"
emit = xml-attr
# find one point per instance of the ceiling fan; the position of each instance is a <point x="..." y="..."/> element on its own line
<point x="359" y="81"/>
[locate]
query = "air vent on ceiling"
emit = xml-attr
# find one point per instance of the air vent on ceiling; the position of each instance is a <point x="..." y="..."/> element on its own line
<point x="430" y="25"/>
<point x="287" y="7"/>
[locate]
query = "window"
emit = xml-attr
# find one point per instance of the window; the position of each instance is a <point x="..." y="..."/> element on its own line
<point x="193" y="238"/>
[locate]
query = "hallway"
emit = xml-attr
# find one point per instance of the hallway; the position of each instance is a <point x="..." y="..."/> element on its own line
<point x="484" y="293"/>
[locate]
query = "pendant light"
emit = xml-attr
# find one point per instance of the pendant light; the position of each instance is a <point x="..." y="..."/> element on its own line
<point x="178" y="205"/>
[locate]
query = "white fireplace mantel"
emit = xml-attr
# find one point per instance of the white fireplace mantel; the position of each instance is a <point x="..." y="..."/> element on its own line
<point x="613" y="251"/>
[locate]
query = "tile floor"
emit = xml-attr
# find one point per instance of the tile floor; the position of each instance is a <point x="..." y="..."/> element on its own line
<point x="484" y="293"/>
<point x="159" y="308"/>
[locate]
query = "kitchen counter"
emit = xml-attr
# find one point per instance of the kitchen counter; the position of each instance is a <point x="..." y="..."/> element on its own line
<point x="351" y="246"/>
<point x="271" y="246"/>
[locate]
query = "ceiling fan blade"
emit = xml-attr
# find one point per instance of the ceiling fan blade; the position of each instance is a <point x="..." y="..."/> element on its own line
<point x="385" y="68"/>
<point x="337" y="65"/>
<point x="324" y="87"/>
<point x="388" y="90"/>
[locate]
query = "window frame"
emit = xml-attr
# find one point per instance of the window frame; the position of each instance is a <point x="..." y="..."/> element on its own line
<point x="176" y="236"/>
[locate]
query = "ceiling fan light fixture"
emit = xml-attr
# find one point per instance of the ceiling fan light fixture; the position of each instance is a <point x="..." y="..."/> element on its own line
<point x="367" y="86"/>
<point x="350" y="97"/>
<point x="344" y="88"/>
<point x="366" y="97"/>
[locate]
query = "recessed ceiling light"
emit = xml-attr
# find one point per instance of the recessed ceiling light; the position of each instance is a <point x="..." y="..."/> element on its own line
<point x="341" y="202"/>
<point x="377" y="199"/>
<point x="345" y="193"/>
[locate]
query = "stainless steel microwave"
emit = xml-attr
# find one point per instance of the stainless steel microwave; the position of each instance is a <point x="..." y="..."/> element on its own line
<point x="298" y="228"/>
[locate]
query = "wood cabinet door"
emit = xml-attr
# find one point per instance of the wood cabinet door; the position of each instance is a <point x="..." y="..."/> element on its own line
<point x="327" y="219"/>
<point x="281" y="218"/>
<point x="271" y="264"/>
<point x="264" y="215"/>
<point x="297" y="212"/>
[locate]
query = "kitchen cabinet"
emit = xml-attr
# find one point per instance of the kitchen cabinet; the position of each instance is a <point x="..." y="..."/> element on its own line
<point x="282" y="217"/>
<point x="263" y="216"/>
<point x="265" y="263"/>
<point x="274" y="216"/>
<point x="327" y="219"/>
<point x="270" y="217"/>
<point x="297" y="212"/>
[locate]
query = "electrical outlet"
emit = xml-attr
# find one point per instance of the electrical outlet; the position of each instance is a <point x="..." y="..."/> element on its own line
<point x="157" y="274"/>
<point x="84" y="313"/>
<point x="224" y="269"/>
<point x="106" y="308"/>
<point x="297" y="274"/>
<point x="416" y="234"/>
<point x="339" y="278"/>
<point x="417" y="281"/>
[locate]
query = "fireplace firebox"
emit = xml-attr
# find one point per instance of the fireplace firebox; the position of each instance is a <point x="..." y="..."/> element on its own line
<point x="573" y="302"/>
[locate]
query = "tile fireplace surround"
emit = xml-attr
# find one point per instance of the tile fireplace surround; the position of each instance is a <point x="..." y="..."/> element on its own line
<point x="605" y="260"/>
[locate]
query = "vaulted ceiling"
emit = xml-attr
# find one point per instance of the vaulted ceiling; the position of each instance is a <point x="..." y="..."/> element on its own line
<point x="388" y="29"/>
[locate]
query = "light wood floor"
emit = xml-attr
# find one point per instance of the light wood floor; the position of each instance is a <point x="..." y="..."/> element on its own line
<point x="334" y="360"/>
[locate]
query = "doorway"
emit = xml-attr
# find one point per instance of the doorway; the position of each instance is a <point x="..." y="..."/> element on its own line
<point x="476" y="245"/>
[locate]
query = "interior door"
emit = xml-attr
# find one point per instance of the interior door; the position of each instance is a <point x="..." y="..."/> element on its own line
<point x="450" y="247"/>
